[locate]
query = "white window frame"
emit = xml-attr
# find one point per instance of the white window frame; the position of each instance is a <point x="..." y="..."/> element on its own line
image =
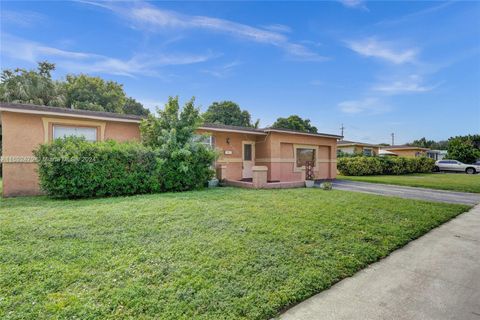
<point x="56" y="126"/>
<point x="210" y="141"/>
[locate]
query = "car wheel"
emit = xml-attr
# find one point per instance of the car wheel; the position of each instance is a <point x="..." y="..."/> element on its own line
<point x="470" y="171"/>
<point x="436" y="169"/>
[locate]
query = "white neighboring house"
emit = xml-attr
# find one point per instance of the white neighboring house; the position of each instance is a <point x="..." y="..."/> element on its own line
<point x="437" y="154"/>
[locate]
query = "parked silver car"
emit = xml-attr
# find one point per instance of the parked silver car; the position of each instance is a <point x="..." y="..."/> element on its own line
<point x="454" y="165"/>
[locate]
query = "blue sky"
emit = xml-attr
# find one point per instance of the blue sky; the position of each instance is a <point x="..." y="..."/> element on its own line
<point x="412" y="68"/>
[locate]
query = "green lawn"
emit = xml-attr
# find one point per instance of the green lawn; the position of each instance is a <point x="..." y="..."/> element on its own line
<point x="443" y="181"/>
<point x="213" y="254"/>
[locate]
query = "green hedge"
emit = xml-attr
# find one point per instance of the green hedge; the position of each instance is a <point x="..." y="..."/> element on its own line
<point x="75" y="168"/>
<point x="366" y="166"/>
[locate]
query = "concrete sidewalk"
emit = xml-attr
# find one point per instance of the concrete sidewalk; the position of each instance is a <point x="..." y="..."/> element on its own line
<point x="434" y="277"/>
<point x="408" y="192"/>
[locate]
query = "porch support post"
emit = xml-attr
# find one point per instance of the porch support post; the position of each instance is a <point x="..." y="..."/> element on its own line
<point x="303" y="174"/>
<point x="259" y="176"/>
<point x="221" y="172"/>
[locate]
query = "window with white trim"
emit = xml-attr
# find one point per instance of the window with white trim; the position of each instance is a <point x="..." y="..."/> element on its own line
<point x="62" y="131"/>
<point x="207" y="140"/>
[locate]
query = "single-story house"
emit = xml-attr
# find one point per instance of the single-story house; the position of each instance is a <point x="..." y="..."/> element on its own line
<point x="26" y="126"/>
<point x="280" y="153"/>
<point x="353" y="147"/>
<point x="283" y="152"/>
<point x="404" y="151"/>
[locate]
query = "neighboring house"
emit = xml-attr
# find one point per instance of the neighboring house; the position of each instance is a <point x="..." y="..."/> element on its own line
<point x="404" y="151"/>
<point x="437" y="154"/>
<point x="25" y="126"/>
<point x="352" y="147"/>
<point x="282" y="153"/>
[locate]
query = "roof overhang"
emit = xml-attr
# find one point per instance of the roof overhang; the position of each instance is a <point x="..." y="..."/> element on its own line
<point x="321" y="135"/>
<point x="357" y="144"/>
<point x="232" y="130"/>
<point x="406" y="148"/>
<point x="69" y="115"/>
<point x="385" y="152"/>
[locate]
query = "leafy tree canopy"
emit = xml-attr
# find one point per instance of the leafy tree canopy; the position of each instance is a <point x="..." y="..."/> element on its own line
<point x="431" y="144"/>
<point x="77" y="91"/>
<point x="171" y="120"/>
<point x="228" y="113"/>
<point x="32" y="86"/>
<point x="464" y="148"/>
<point x="294" y="122"/>
<point x="185" y="162"/>
<point x="132" y="106"/>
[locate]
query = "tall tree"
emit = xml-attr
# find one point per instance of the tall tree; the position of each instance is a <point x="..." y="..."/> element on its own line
<point x="185" y="163"/>
<point x="228" y="113"/>
<point x="171" y="119"/>
<point x="94" y="93"/>
<point x="464" y="148"/>
<point x="431" y="144"/>
<point x="294" y="122"/>
<point x="32" y="86"/>
<point x="132" y="106"/>
<point x="78" y="91"/>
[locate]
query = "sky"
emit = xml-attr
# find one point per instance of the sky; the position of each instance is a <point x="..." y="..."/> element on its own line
<point x="408" y="68"/>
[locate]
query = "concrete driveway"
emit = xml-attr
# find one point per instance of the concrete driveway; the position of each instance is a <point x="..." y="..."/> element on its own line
<point x="435" y="277"/>
<point x="408" y="192"/>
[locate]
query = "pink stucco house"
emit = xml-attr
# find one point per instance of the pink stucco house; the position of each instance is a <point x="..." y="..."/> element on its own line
<point x="275" y="156"/>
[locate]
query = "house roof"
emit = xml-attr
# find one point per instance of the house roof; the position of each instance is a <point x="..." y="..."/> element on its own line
<point x="403" y="146"/>
<point x="227" y="128"/>
<point x="345" y="143"/>
<point x="48" y="110"/>
<point x="319" y="134"/>
<point x="110" y="116"/>
<point x="262" y="131"/>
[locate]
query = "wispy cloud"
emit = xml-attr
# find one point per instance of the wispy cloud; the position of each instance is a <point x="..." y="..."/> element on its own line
<point x="354" y="4"/>
<point x="73" y="61"/>
<point x="370" y="47"/>
<point x="278" y="28"/>
<point x="152" y="18"/>
<point x="367" y="105"/>
<point x="222" y="71"/>
<point x="412" y="84"/>
<point x="21" y="18"/>
<point x="414" y="15"/>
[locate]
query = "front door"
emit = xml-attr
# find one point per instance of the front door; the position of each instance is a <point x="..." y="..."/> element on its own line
<point x="248" y="155"/>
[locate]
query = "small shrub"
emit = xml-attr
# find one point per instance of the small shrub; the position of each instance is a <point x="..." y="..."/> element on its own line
<point x="327" y="185"/>
<point x="365" y="166"/>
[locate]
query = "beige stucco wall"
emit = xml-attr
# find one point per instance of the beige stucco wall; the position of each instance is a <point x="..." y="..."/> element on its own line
<point x="232" y="161"/>
<point x="22" y="133"/>
<point x="357" y="149"/>
<point x="410" y="153"/>
<point x="276" y="152"/>
<point x="282" y="158"/>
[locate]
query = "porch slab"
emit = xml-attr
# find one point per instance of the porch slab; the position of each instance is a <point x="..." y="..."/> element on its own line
<point x="268" y="185"/>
